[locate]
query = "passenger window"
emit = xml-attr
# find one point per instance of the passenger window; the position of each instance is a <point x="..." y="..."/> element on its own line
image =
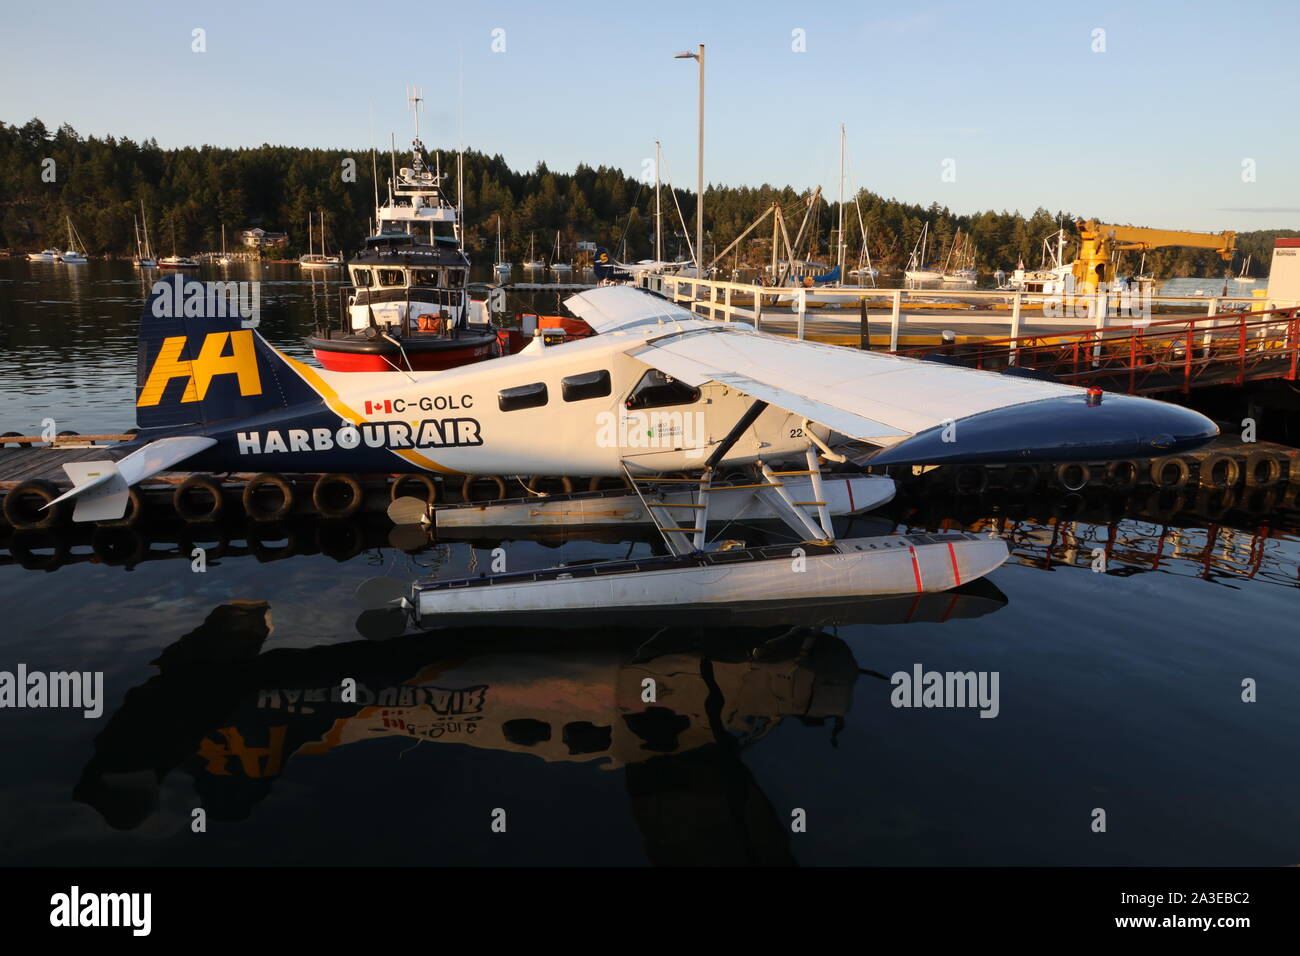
<point x="655" y="390"/>
<point x="362" y="278"/>
<point x="522" y="396"/>
<point x="391" y="277"/>
<point x="575" y="388"/>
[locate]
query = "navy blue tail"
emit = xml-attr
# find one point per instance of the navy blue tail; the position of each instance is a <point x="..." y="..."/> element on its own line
<point x="200" y="359"/>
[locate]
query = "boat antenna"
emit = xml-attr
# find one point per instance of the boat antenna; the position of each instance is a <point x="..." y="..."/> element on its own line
<point x="374" y="159"/>
<point x="392" y="153"/>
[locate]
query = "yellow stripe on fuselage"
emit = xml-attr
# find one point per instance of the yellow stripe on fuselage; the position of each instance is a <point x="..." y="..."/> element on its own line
<point x="313" y="378"/>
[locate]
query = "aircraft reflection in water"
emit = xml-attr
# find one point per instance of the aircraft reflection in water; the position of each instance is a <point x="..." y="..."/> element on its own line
<point x="235" y="718"/>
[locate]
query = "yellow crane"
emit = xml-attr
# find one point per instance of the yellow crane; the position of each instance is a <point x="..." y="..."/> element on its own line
<point x="1097" y="241"/>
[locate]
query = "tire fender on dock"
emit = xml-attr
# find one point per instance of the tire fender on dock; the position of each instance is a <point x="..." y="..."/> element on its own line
<point x="325" y="493"/>
<point x="197" y="486"/>
<point x="24" y="514"/>
<point x="1073" y="475"/>
<point x="1263" y="469"/>
<point x="1219" y="471"/>
<point x="1161" y="467"/>
<point x="1122" y="475"/>
<point x="467" y="489"/>
<point x="257" y="484"/>
<point x="398" y="487"/>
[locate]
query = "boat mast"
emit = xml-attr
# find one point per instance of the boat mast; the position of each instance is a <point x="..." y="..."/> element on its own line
<point x="659" y="217"/>
<point x="840" y="260"/>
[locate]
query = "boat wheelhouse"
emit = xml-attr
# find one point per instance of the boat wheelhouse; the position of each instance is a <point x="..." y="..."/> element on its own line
<point x="408" y="306"/>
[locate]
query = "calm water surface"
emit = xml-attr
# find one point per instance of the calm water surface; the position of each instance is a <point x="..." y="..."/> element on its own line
<point x="1119" y="690"/>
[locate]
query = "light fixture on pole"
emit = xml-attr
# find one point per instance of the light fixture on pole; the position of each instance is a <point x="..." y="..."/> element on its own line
<point x="699" y="166"/>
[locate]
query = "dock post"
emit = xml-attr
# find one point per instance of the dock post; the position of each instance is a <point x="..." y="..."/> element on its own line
<point x="1014" y="358"/>
<point x="726" y="304"/>
<point x="864" y="327"/>
<point x="894" y="318"/>
<point x="1214" y="306"/>
<point x="758" y="308"/>
<point x="801" y="307"/>
<point x="713" y="301"/>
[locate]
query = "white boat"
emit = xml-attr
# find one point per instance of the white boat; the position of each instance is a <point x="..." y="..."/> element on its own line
<point x="502" y="267"/>
<point x="224" y="259"/>
<point x="1053" y="277"/>
<point x="144" y="257"/>
<point x="560" y="268"/>
<point x="71" y="255"/>
<point x="916" y="270"/>
<point x="533" y="264"/>
<point x="177" y="262"/>
<point x="1243" y="276"/>
<point x="747" y="578"/>
<point x="45" y="255"/>
<point x="318" y="260"/>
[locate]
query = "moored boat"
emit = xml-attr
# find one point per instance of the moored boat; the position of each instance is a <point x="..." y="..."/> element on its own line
<point x="408" y="306"/>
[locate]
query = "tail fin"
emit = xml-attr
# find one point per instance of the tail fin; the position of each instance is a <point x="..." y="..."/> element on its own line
<point x="603" y="265"/>
<point x="200" y="359"/>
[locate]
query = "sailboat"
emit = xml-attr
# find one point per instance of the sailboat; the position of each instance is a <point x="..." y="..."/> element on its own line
<point x="556" y="265"/>
<point x="533" y="264"/>
<point x="174" y="261"/>
<point x="1244" y="276"/>
<point x="72" y="256"/>
<point x="225" y="258"/>
<point x="502" y="267"/>
<point x="318" y="260"/>
<point x="144" y="258"/>
<point x="916" y="270"/>
<point x="45" y="255"/>
<point x="957" y="275"/>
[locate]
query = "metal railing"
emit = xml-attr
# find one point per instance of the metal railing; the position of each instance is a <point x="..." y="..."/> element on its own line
<point x="737" y="301"/>
<point x="1176" y="354"/>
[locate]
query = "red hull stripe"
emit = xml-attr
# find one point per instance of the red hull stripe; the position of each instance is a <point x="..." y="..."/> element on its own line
<point x="956" y="571"/>
<point x="916" y="569"/>
<point x="849" y="485"/>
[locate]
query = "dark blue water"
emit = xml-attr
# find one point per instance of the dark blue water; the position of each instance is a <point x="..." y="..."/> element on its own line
<point x="1118" y="690"/>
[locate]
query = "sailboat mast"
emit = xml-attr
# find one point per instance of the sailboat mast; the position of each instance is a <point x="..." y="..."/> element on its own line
<point x="659" y="217"/>
<point x="841" y="225"/>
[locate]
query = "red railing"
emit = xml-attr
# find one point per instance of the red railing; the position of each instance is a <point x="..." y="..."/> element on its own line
<point x="1174" y="354"/>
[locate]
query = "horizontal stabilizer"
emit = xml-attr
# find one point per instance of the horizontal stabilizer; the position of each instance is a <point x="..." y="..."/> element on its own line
<point x="101" y="488"/>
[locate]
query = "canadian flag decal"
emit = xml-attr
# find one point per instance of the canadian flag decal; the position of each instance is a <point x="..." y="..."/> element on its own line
<point x="384" y="406"/>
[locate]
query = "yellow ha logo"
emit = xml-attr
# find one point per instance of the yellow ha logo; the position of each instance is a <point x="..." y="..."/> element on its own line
<point x="199" y="372"/>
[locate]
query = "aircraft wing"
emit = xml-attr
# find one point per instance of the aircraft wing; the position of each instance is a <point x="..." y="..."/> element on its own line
<point x="918" y="411"/>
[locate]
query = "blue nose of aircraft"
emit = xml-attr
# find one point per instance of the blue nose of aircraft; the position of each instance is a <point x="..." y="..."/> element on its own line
<point x="1071" y="428"/>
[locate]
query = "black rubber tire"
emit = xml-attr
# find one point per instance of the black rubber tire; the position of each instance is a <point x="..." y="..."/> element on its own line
<point x="395" y="490"/>
<point x="1073" y="476"/>
<point x="467" y="488"/>
<point x="1020" y="479"/>
<point x="134" y="511"/>
<point x="325" y="487"/>
<point x="1122" y="475"/>
<point x="970" y="480"/>
<point x="23" y="515"/>
<point x="1271" y="465"/>
<point x="185" y="509"/>
<point x="20" y="444"/>
<point x="267" y="480"/>
<point x="1160" y="468"/>
<point x="1209" y="472"/>
<point x="537" y="482"/>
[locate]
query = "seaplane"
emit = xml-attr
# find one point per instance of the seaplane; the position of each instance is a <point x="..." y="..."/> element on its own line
<point x="656" y="392"/>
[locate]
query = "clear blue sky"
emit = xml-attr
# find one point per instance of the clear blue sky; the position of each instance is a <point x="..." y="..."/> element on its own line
<point x="1154" y="130"/>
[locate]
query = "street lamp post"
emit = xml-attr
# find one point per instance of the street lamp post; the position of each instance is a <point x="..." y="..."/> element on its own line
<point x="699" y="167"/>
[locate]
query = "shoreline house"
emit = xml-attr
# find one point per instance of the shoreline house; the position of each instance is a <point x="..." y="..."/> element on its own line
<point x="259" y="238"/>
